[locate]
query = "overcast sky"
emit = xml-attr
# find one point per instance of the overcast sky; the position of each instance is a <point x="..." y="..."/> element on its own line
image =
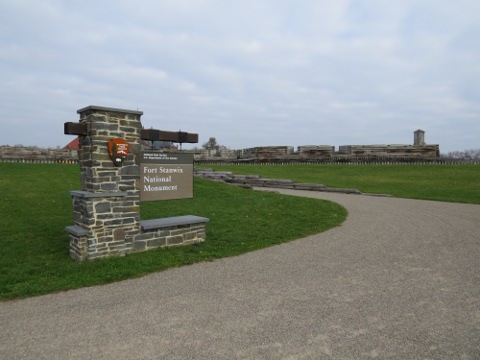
<point x="248" y="72"/>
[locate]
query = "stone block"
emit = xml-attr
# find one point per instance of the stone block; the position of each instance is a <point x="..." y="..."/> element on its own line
<point x="117" y="134"/>
<point x="189" y="236"/>
<point x="100" y="156"/>
<point x="103" y="207"/>
<point x="116" y="245"/>
<point x="139" y="245"/>
<point x="175" y="240"/>
<point x="108" y="186"/>
<point x="126" y="129"/>
<point x="114" y="222"/>
<point x="119" y="234"/>
<point x="130" y="170"/>
<point x="104" y="239"/>
<point x="144" y="236"/>
<point x="178" y="231"/>
<point x="131" y="221"/>
<point x="156" y="243"/>
<point x="162" y="233"/>
<point x="172" y="222"/>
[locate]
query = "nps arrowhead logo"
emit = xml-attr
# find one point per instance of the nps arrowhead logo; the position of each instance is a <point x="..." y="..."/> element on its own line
<point x="118" y="150"/>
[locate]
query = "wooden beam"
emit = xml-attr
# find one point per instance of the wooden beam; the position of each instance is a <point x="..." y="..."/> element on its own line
<point x="160" y="135"/>
<point x="71" y="128"/>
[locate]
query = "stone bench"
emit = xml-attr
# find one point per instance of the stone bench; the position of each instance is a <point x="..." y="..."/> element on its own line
<point x="171" y="221"/>
<point x="171" y="231"/>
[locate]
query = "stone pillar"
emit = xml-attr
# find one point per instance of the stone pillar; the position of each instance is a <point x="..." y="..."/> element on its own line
<point x="98" y="172"/>
<point x="106" y="211"/>
<point x="419" y="137"/>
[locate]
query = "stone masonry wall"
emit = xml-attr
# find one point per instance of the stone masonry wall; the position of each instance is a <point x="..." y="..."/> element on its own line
<point x="106" y="211"/>
<point x="110" y="198"/>
<point x="169" y="236"/>
<point x="424" y="151"/>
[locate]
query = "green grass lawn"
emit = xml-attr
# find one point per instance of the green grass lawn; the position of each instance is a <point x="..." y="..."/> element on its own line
<point x="453" y="183"/>
<point x="35" y="207"/>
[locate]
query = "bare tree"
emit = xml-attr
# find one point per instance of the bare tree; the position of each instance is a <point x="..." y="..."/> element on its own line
<point x="211" y="144"/>
<point x="466" y="154"/>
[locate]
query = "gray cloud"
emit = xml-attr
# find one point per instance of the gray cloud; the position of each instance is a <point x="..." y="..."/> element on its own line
<point x="250" y="73"/>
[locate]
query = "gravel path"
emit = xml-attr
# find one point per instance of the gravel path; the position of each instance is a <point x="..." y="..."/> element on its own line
<point x="400" y="279"/>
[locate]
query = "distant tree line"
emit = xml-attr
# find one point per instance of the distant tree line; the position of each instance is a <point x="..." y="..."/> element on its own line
<point x="466" y="154"/>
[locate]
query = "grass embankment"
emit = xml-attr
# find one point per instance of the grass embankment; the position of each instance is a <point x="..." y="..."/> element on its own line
<point x="452" y="183"/>
<point x="35" y="207"/>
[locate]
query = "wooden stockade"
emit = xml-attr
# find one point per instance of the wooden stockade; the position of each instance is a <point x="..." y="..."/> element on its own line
<point x="33" y="154"/>
<point x="270" y="162"/>
<point x="345" y="161"/>
<point x="39" y="161"/>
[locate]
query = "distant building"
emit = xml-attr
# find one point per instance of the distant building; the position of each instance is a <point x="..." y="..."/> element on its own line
<point x="316" y="151"/>
<point x="73" y="145"/>
<point x="419" y="138"/>
<point x="265" y="152"/>
<point x="418" y="149"/>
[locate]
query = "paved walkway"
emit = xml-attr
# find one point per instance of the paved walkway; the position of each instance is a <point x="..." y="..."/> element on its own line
<point x="399" y="280"/>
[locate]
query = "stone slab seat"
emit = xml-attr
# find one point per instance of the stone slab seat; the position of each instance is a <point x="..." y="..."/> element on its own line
<point x="76" y="230"/>
<point x="172" y="221"/>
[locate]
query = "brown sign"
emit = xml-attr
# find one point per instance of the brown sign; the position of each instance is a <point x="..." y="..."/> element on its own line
<point x="118" y="150"/>
<point x="165" y="176"/>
